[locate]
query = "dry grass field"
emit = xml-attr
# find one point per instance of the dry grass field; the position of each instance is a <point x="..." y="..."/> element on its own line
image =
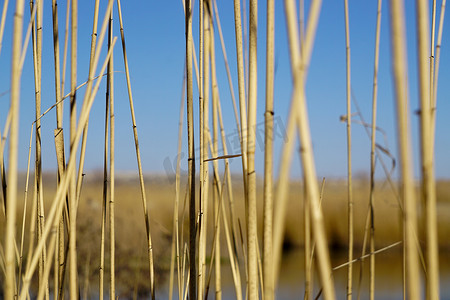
<point x="131" y="267"/>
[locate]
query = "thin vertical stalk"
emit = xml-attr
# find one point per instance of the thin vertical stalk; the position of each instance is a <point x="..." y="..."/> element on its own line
<point x="37" y="58"/>
<point x="66" y="42"/>
<point x="428" y="184"/>
<point x="349" y="156"/>
<point x="112" y="238"/>
<point x="73" y="127"/>
<point x="436" y="73"/>
<point x="218" y="197"/>
<point x="11" y="200"/>
<point x="201" y="114"/>
<point x="268" y="156"/>
<point x="138" y="157"/>
<point x="232" y="254"/>
<point x="224" y="52"/>
<point x="191" y="155"/>
<point x="398" y="35"/>
<point x="306" y="202"/>
<point x="433" y="35"/>
<point x="2" y="22"/>
<point x="252" y="233"/>
<point x="24" y="209"/>
<point x="175" y="231"/>
<point x="241" y="84"/>
<point x="105" y="196"/>
<point x="59" y="253"/>
<point x="85" y="131"/>
<point x="372" y="153"/>
<point x="58" y="94"/>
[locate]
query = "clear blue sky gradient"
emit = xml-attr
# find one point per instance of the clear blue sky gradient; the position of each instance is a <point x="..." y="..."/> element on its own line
<point x="154" y="32"/>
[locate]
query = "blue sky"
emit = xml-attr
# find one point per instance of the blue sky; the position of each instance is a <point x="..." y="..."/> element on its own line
<point x="154" y="33"/>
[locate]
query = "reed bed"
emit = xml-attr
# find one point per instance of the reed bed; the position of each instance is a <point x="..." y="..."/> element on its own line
<point x="220" y="227"/>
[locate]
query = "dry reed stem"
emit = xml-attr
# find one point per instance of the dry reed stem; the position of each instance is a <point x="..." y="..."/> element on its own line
<point x="2" y="160"/>
<point x="43" y="287"/>
<point x="59" y="259"/>
<point x="138" y="157"/>
<point x="24" y="209"/>
<point x="104" y="198"/>
<point x="349" y="155"/>
<point x="112" y="238"/>
<point x="27" y="35"/>
<point x="227" y="66"/>
<point x="427" y="160"/>
<point x="37" y="57"/>
<point x="2" y="22"/>
<point x="191" y="155"/>
<point x="59" y="108"/>
<point x="217" y="197"/>
<point x="73" y="274"/>
<point x="241" y="86"/>
<point x="268" y="157"/>
<point x="407" y="190"/>
<point x="232" y="251"/>
<point x="431" y="57"/>
<point x="11" y="200"/>
<point x="238" y="126"/>
<point x="372" y="154"/>
<point x="175" y="231"/>
<point x="252" y="234"/>
<point x="60" y="158"/>
<point x="203" y="92"/>
<point x="436" y="74"/>
<point x="85" y="132"/>
<point x="66" y="43"/>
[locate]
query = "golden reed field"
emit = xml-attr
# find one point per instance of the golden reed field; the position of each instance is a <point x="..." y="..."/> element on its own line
<point x="67" y="232"/>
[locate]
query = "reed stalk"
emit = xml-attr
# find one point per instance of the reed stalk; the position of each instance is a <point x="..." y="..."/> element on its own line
<point x="427" y="157"/>
<point x="399" y="66"/>
<point x="56" y="56"/>
<point x="112" y="237"/>
<point x="349" y="156"/>
<point x="217" y="197"/>
<point x="66" y="43"/>
<point x="436" y="74"/>
<point x="11" y="200"/>
<point x="24" y="209"/>
<point x="238" y="126"/>
<point x="60" y="158"/>
<point x="59" y="255"/>
<point x="252" y="234"/>
<point x="268" y="156"/>
<point x="37" y="60"/>
<point x="432" y="49"/>
<point x="138" y="157"/>
<point x="241" y="89"/>
<point x="227" y="66"/>
<point x="73" y="128"/>
<point x="85" y="132"/>
<point x="2" y="22"/>
<point x="234" y="262"/>
<point x="105" y="196"/>
<point x="372" y="153"/>
<point x="202" y="94"/>
<point x="175" y="232"/>
<point x="191" y="155"/>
